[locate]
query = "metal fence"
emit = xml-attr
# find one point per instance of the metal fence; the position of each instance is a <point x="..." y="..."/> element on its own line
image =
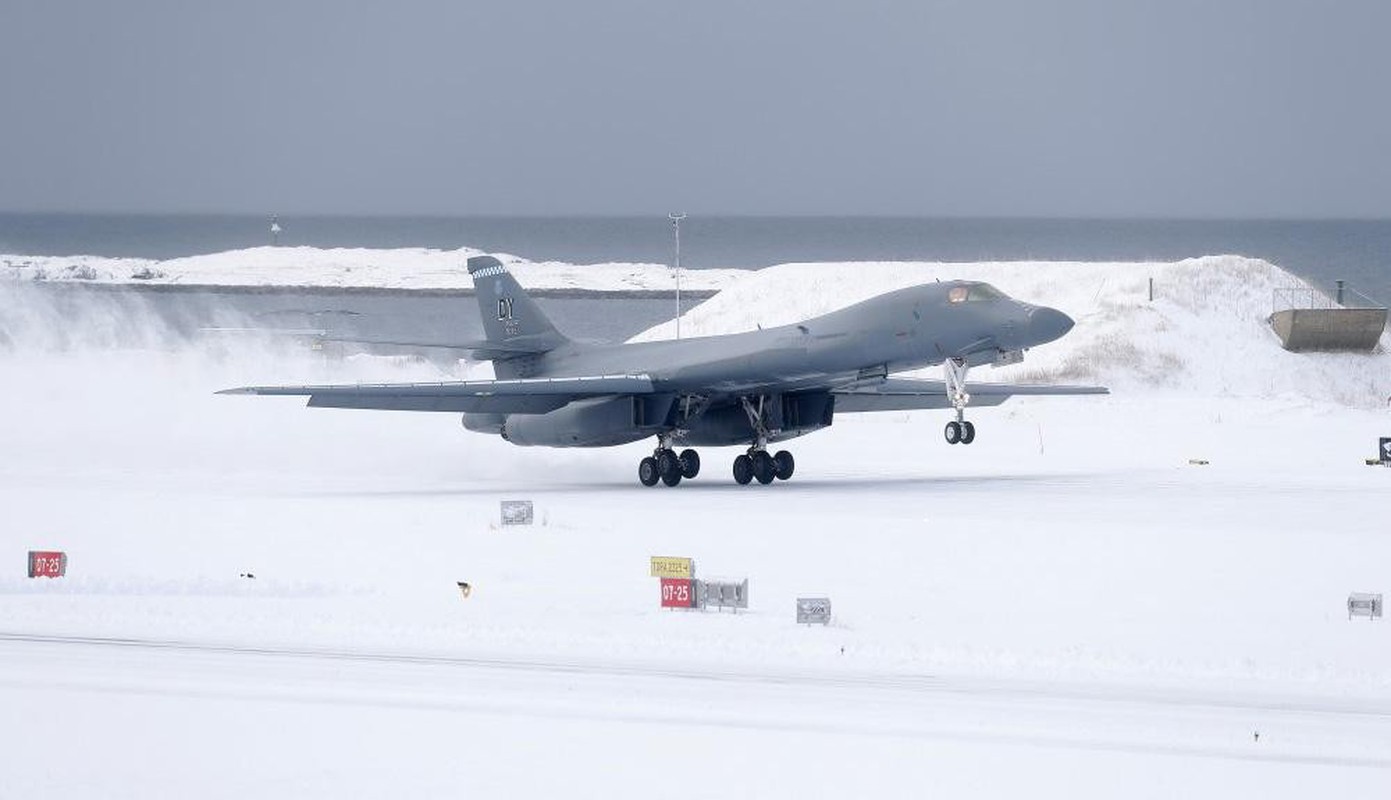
<point x="1299" y="298"/>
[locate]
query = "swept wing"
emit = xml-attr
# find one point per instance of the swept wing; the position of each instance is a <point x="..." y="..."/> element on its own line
<point x="508" y="396"/>
<point x="907" y="394"/>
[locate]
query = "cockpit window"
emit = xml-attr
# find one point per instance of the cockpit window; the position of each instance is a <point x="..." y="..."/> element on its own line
<point x="974" y="293"/>
<point x="984" y="291"/>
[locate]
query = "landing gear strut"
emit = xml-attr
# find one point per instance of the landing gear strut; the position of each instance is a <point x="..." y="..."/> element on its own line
<point x="757" y="464"/>
<point x="958" y="431"/>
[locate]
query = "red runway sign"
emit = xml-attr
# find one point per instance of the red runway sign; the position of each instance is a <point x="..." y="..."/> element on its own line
<point x="677" y="593"/>
<point x="47" y="563"/>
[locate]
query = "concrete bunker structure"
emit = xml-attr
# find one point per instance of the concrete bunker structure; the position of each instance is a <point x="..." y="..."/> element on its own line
<point x="1306" y="320"/>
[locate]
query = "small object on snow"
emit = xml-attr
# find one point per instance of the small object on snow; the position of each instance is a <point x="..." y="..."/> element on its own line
<point x="465" y="589"/>
<point x="1364" y="604"/>
<point x="1256" y="736"/>
<point x="517" y="512"/>
<point x="1198" y="462"/>
<point x="248" y="575"/>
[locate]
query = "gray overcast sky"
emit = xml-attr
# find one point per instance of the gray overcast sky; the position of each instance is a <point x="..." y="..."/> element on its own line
<point x="1184" y="108"/>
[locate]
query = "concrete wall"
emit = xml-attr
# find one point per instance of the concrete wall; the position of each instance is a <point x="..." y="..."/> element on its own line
<point x="1329" y="329"/>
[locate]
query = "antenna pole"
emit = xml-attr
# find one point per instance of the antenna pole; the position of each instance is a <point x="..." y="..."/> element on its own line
<point x="676" y="229"/>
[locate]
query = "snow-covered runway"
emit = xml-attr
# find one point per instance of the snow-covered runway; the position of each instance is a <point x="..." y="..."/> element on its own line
<point x="169" y="719"/>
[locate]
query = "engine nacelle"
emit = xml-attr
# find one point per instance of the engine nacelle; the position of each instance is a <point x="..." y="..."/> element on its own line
<point x="484" y="423"/>
<point x="594" y="422"/>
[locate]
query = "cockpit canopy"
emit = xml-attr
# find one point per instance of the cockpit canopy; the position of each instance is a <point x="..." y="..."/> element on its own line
<point x="974" y="293"/>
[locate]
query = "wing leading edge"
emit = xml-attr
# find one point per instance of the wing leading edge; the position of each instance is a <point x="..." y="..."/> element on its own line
<point x="509" y="396"/>
<point x="908" y="394"/>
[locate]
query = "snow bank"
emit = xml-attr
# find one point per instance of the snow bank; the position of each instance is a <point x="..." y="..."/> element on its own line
<point x="1205" y="332"/>
<point x="403" y="268"/>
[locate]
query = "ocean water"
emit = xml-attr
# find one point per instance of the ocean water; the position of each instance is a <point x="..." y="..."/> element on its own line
<point x="1321" y="251"/>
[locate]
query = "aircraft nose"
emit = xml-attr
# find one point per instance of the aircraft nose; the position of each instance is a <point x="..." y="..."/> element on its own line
<point x="1046" y="324"/>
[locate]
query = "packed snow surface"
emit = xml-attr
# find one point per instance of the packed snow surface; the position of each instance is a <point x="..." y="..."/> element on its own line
<point x="403" y="268"/>
<point x="1137" y="595"/>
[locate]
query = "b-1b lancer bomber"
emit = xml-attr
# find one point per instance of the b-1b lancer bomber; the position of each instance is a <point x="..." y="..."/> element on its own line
<point x="755" y="388"/>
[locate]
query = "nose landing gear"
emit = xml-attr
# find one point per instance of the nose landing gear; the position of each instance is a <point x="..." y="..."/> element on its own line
<point x="958" y="431"/>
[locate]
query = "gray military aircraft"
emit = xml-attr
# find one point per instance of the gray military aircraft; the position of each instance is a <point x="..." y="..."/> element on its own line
<point x="753" y="388"/>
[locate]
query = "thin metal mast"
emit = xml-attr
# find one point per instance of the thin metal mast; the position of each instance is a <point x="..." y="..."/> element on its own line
<point x="676" y="227"/>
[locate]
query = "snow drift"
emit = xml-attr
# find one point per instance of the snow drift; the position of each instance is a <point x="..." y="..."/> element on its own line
<point x="359" y="268"/>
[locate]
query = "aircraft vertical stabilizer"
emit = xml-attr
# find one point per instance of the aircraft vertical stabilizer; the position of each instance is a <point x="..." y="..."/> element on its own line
<point x="511" y="319"/>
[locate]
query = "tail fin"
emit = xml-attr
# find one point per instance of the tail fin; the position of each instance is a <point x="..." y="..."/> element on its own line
<point x="510" y="316"/>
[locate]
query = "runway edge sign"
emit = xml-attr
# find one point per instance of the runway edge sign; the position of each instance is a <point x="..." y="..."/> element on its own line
<point x="47" y="563"/>
<point x="678" y="593"/>
<point x="517" y="512"/>
<point x="812" y="610"/>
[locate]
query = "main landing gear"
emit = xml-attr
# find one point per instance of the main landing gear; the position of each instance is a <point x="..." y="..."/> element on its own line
<point x="666" y="466"/>
<point x="758" y="465"/>
<point x="958" y="431"/>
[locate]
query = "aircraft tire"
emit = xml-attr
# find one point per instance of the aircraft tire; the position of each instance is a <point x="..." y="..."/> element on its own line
<point x="668" y="463"/>
<point x="671" y="478"/>
<point x="647" y="471"/>
<point x="968" y="432"/>
<point x="784" y="465"/>
<point x="763" y="468"/>
<point x="743" y="470"/>
<point x="690" y="463"/>
<point x="953" y="432"/>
